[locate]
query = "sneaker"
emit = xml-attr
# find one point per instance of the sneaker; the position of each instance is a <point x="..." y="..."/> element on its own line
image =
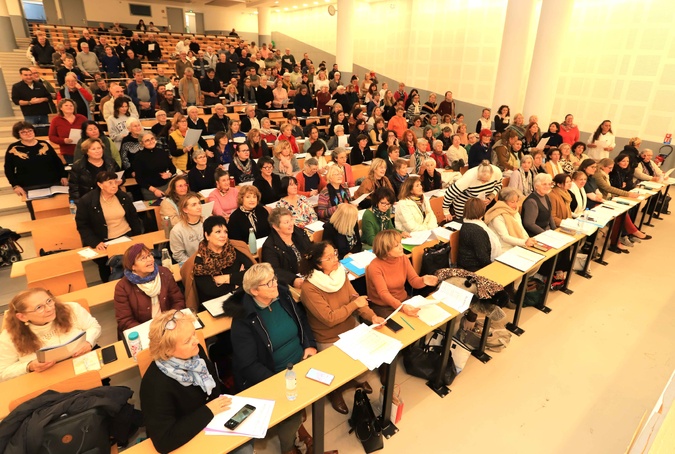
<point x="626" y="242"/>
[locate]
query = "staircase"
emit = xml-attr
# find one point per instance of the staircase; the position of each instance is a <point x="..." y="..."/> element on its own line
<point x="12" y="210"/>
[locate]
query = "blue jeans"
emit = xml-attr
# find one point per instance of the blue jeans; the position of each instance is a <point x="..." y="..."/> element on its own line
<point x="36" y="119"/>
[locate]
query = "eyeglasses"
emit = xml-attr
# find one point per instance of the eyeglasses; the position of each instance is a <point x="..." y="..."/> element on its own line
<point x="331" y="258"/>
<point x="173" y="322"/>
<point x="150" y="140"/>
<point x="384" y="203"/>
<point x="27" y="131"/>
<point x="40" y="308"/>
<point x="271" y="283"/>
<point x="145" y="257"/>
<point x="267" y="167"/>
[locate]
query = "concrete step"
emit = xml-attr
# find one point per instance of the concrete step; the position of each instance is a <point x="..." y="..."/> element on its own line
<point x="12" y="221"/>
<point x="11" y="204"/>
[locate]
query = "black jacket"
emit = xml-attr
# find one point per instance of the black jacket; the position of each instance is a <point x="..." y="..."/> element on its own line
<point x="90" y="220"/>
<point x="81" y="180"/>
<point x="281" y="257"/>
<point x="218" y="124"/>
<point x="238" y="225"/>
<point x="268" y="194"/>
<point x="340" y="242"/>
<point x="253" y="361"/>
<point x="474" y="248"/>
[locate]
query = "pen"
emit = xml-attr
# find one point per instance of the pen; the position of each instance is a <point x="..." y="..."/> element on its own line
<point x="407" y="323"/>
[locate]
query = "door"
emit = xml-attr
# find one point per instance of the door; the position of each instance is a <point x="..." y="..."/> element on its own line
<point x="199" y="20"/>
<point x="73" y="12"/>
<point x="175" y="19"/>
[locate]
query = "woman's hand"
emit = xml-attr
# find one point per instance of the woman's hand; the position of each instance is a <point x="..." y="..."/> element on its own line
<point x="187" y="149"/>
<point x="222" y="279"/>
<point x="530" y="242"/>
<point x="166" y="175"/>
<point x="86" y="349"/>
<point x="591" y="145"/>
<point x="35" y="366"/>
<point x="412" y="311"/>
<point x="18" y="190"/>
<point x="311" y="351"/>
<point x="219" y="404"/>
<point x="448" y="217"/>
<point x="405" y="234"/>
<point x="64" y="181"/>
<point x="430" y="280"/>
<point x="68" y="140"/>
<point x="209" y="154"/>
<point x="377" y="320"/>
<point x="100" y="246"/>
<point x="361" y="301"/>
<point x="633" y="195"/>
<point x="297" y="282"/>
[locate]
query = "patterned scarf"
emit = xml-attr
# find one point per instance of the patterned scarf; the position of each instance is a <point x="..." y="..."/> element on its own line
<point x="419" y="201"/>
<point x="337" y="196"/>
<point x="213" y="262"/>
<point x="188" y="372"/>
<point x="245" y="168"/>
<point x="400" y="178"/>
<point x="151" y="285"/>
<point x="252" y="218"/>
<point x="382" y="216"/>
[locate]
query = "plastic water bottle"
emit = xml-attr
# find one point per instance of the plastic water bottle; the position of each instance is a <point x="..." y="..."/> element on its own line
<point x="166" y="258"/>
<point x="252" y="245"/>
<point x="134" y="344"/>
<point x="73" y="208"/>
<point x="291" y="383"/>
<point x="166" y="225"/>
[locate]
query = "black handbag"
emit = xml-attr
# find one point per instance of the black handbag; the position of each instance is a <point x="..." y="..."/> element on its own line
<point x="435" y="258"/>
<point x="424" y="361"/>
<point x="364" y="423"/>
<point x="79" y="433"/>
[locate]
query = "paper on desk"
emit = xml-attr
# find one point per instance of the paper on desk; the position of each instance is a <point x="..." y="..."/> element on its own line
<point x="140" y="205"/>
<point x="651" y="185"/>
<point x="192" y="137"/>
<point x="255" y="426"/>
<point x="643" y="191"/>
<point x="520" y="258"/>
<point x="434" y="193"/>
<point x="369" y="346"/>
<point x="85" y="363"/>
<point x="554" y="239"/>
<point x="313" y="200"/>
<point x="442" y="233"/>
<point x="206" y="192"/>
<point x="433" y="314"/>
<point x="207" y="209"/>
<point x="88" y="253"/>
<point x="454" y="225"/>
<point x="362" y="259"/>
<point x="417" y="238"/>
<point x="419" y="301"/>
<point x="215" y="305"/>
<point x="315" y="226"/>
<point x="122" y="239"/>
<point x="75" y="135"/>
<point x="453" y="296"/>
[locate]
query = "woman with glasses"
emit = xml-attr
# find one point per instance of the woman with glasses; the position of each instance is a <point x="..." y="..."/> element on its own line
<point x="201" y="175"/>
<point x="35" y="320"/>
<point x="219" y="266"/>
<point x="379" y="216"/>
<point x="153" y="168"/>
<point x="180" y="392"/>
<point x="31" y="163"/>
<point x="334" y="194"/>
<point x="331" y="302"/>
<point x="91" y="130"/>
<point x="250" y="215"/>
<point x="268" y="183"/>
<point x="269" y="332"/>
<point x="243" y="168"/>
<point x="284" y="247"/>
<point x="145" y="291"/>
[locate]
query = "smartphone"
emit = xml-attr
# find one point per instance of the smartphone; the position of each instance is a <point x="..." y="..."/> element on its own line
<point x="109" y="354"/>
<point x="240" y="416"/>
<point x="394" y="326"/>
<point x="321" y="377"/>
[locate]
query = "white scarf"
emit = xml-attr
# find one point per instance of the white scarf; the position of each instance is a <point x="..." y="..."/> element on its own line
<point x="329" y="283"/>
<point x="152" y="289"/>
<point x="495" y="245"/>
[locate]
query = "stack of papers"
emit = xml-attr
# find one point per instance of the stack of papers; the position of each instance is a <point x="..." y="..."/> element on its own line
<point x="369" y="346"/>
<point x="417" y="238"/>
<point x="453" y="296"/>
<point x="215" y="306"/>
<point x="520" y="258"/>
<point x="88" y="253"/>
<point x="442" y="233"/>
<point x="651" y="185"/>
<point x="578" y="224"/>
<point x="616" y="206"/>
<point x="140" y="205"/>
<point x="255" y="426"/>
<point x="357" y="263"/>
<point x="597" y="218"/>
<point x="314" y="226"/>
<point x="433" y="314"/>
<point x="554" y="239"/>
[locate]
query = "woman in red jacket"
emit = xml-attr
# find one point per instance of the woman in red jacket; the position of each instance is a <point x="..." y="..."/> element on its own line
<point x="145" y="291"/>
<point x="61" y="125"/>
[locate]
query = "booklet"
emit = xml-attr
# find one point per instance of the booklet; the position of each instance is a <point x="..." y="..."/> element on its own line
<point x="46" y="192"/>
<point x="215" y="306"/>
<point x="63" y="351"/>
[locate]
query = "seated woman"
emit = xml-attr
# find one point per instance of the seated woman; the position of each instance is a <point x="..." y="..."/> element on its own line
<point x="145" y="291"/>
<point x="225" y="196"/>
<point x="179" y="152"/>
<point x="331" y="301"/>
<point x="103" y="214"/>
<point x="399" y="175"/>
<point x="413" y="211"/>
<point x="390" y="140"/>
<point x="243" y="168"/>
<point x="333" y="195"/>
<point x="478" y="244"/>
<point x="590" y="167"/>
<point x="35" y="319"/>
<point x="250" y="215"/>
<point x="566" y="158"/>
<point x="201" y="175"/>
<point x="503" y="219"/>
<point x="269" y="332"/>
<point x="286" y="135"/>
<point x="522" y="179"/>
<point x="418" y="157"/>
<point x="361" y="152"/>
<point x="83" y="172"/>
<point x="429" y="176"/>
<point x="375" y="179"/>
<point x="647" y="170"/>
<point x="561" y="198"/>
<point x="268" y="183"/>
<point x="553" y="165"/>
<point x="388" y="273"/>
<point x="189" y="231"/>
<point x="310" y="181"/>
<point x="91" y="130"/>
<point x="153" y="168"/>
<point x="180" y="392"/>
<point x="379" y="216"/>
<point x="340" y="157"/>
<point x="554" y="139"/>
<point x="439" y="155"/>
<point x="343" y="230"/>
<point x="317" y="151"/>
<point x="220" y="149"/>
<point x="578" y="154"/>
<point x="268" y="134"/>
<point x="457" y="154"/>
<point x="219" y="266"/>
<point x="538" y="162"/>
<point x="178" y="187"/>
<point x="300" y="209"/>
<point x="257" y="146"/>
<point x="284" y="247"/>
<point x="285" y="163"/>
<point x="579" y="198"/>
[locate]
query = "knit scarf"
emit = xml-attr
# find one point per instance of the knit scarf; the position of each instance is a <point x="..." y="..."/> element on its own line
<point x="400" y="178"/>
<point x="245" y="168"/>
<point x="508" y="214"/>
<point x="214" y="263"/>
<point x="528" y="181"/>
<point x="419" y="201"/>
<point x="383" y="217"/>
<point x="86" y="103"/>
<point x="648" y="167"/>
<point x="329" y="283"/>
<point x="337" y="196"/>
<point x="252" y="218"/>
<point x="188" y="372"/>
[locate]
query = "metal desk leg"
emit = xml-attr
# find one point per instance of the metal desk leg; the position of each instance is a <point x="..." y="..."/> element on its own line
<point x="544" y="308"/>
<point x="663" y="202"/>
<point x="651" y="213"/>
<point x="601" y="260"/>
<point x="584" y="273"/>
<point x="480" y="351"/>
<point x="388" y="427"/>
<point x="437" y="384"/>
<point x="644" y="213"/>
<point x="565" y="288"/>
<point x="513" y="326"/>
<point x="318" y="424"/>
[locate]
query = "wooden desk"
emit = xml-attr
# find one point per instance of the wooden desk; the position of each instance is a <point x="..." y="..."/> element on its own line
<point x="19" y="268"/>
<point x="52" y="206"/>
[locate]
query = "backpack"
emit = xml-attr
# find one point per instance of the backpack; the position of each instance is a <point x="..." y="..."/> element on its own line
<point x="364" y="423"/>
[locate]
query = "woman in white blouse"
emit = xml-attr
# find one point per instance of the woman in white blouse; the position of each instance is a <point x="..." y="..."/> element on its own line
<point x="602" y="141"/>
<point x="413" y="211"/>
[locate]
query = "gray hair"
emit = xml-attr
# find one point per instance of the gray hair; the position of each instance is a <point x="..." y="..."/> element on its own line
<point x="507" y="194"/>
<point x="339" y="128"/>
<point x="257" y="275"/>
<point x="437" y="142"/>
<point x="276" y="214"/>
<point x="311" y="162"/>
<point x="197" y="153"/>
<point x="542" y="178"/>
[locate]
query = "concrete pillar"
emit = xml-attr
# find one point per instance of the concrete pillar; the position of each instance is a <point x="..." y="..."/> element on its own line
<point x="554" y="22"/>
<point x="16" y="15"/>
<point x="508" y="86"/>
<point x="5" y="102"/>
<point x="264" y="25"/>
<point x="7" y="40"/>
<point x="344" y="51"/>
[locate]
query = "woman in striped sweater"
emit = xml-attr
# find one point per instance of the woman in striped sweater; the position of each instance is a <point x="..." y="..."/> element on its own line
<point x="483" y="182"/>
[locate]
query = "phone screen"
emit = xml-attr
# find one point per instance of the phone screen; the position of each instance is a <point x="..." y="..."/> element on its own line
<point x="240" y="416"/>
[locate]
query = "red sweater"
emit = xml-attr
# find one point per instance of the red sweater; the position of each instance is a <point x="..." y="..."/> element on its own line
<point x="386" y="280"/>
<point x="59" y="130"/>
<point x="301" y="184"/>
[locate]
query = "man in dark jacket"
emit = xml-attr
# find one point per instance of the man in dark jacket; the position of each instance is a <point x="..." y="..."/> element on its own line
<point x="42" y="51"/>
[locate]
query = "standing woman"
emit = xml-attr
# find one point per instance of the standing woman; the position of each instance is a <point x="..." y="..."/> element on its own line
<point x="334" y="194"/>
<point x="342" y="231"/>
<point x="602" y="141"/>
<point x="224" y="196"/>
<point x="250" y="215"/>
<point x="280" y="94"/>
<point x="61" y="125"/>
<point x="153" y="167"/>
<point x="189" y="231"/>
<point x="413" y="211"/>
<point x="502" y="118"/>
<point x="117" y="122"/>
<point x="201" y="176"/>
<point x="518" y="125"/>
<point x="284" y="247"/>
<point x="296" y="204"/>
<point x="179" y="152"/>
<point x="484" y="121"/>
<point x="91" y="130"/>
<point x="145" y="291"/>
<point x="131" y="144"/>
<point x="268" y="183"/>
<point x="561" y="198"/>
<point x="178" y="187"/>
<point x="566" y="158"/>
<point x="83" y="173"/>
<point x="569" y="131"/>
<point x="105" y="214"/>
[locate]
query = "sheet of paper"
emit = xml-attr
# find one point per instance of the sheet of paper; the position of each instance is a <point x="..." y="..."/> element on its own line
<point x="369" y="346"/>
<point x="454" y="225"/>
<point x="246" y="183"/>
<point x="144" y="328"/>
<point x="88" y="253"/>
<point x="453" y="296"/>
<point x="342" y="141"/>
<point x="433" y="314"/>
<point x="651" y="185"/>
<point x="315" y="226"/>
<point x="542" y="143"/>
<point x="59" y="189"/>
<point x="215" y="306"/>
<point x="140" y="205"/>
<point x="75" y="135"/>
<point x="520" y="258"/>
<point x="255" y="426"/>
<point x="417" y="238"/>
<point x="419" y="301"/>
<point x="442" y="233"/>
<point x="122" y="239"/>
<point x="353" y="190"/>
<point x="362" y="259"/>
<point x="554" y="239"/>
<point x="85" y="363"/>
<point x="207" y="209"/>
<point x="585" y="227"/>
<point x="192" y="137"/>
<point x="313" y="200"/>
<point x="206" y="192"/>
<point x="360" y="199"/>
<point x="361" y="214"/>
<point x="38" y="193"/>
<point x="259" y="242"/>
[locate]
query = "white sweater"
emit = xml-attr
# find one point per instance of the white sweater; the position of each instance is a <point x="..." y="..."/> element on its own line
<point x="184" y="240"/>
<point x="13" y="364"/>
<point x="409" y="217"/>
<point x="498" y="225"/>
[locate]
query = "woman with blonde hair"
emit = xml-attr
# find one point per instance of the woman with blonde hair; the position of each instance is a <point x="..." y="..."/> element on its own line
<point x="376" y="178"/>
<point x="285" y="163"/>
<point x="517" y="125"/>
<point x="286" y="134"/>
<point x="342" y="230"/>
<point x="335" y="193"/>
<point x="36" y="319"/>
<point x="522" y="178"/>
<point x="178" y="187"/>
<point x="413" y="211"/>
<point x="189" y="231"/>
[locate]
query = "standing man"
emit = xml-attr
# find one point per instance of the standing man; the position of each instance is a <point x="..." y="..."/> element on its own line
<point x="153" y="49"/>
<point x="447" y="106"/>
<point x="86" y="38"/>
<point x="138" y="46"/>
<point x="88" y="62"/>
<point x="287" y="61"/>
<point x="142" y="94"/>
<point x="211" y="88"/>
<point x="32" y="97"/>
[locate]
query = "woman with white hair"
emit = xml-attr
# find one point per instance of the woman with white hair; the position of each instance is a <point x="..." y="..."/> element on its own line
<point x="522" y="178"/>
<point x="503" y="218"/>
<point x="536" y="209"/>
<point x="131" y="144"/>
<point x="429" y="176"/>
<point x="483" y="182"/>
